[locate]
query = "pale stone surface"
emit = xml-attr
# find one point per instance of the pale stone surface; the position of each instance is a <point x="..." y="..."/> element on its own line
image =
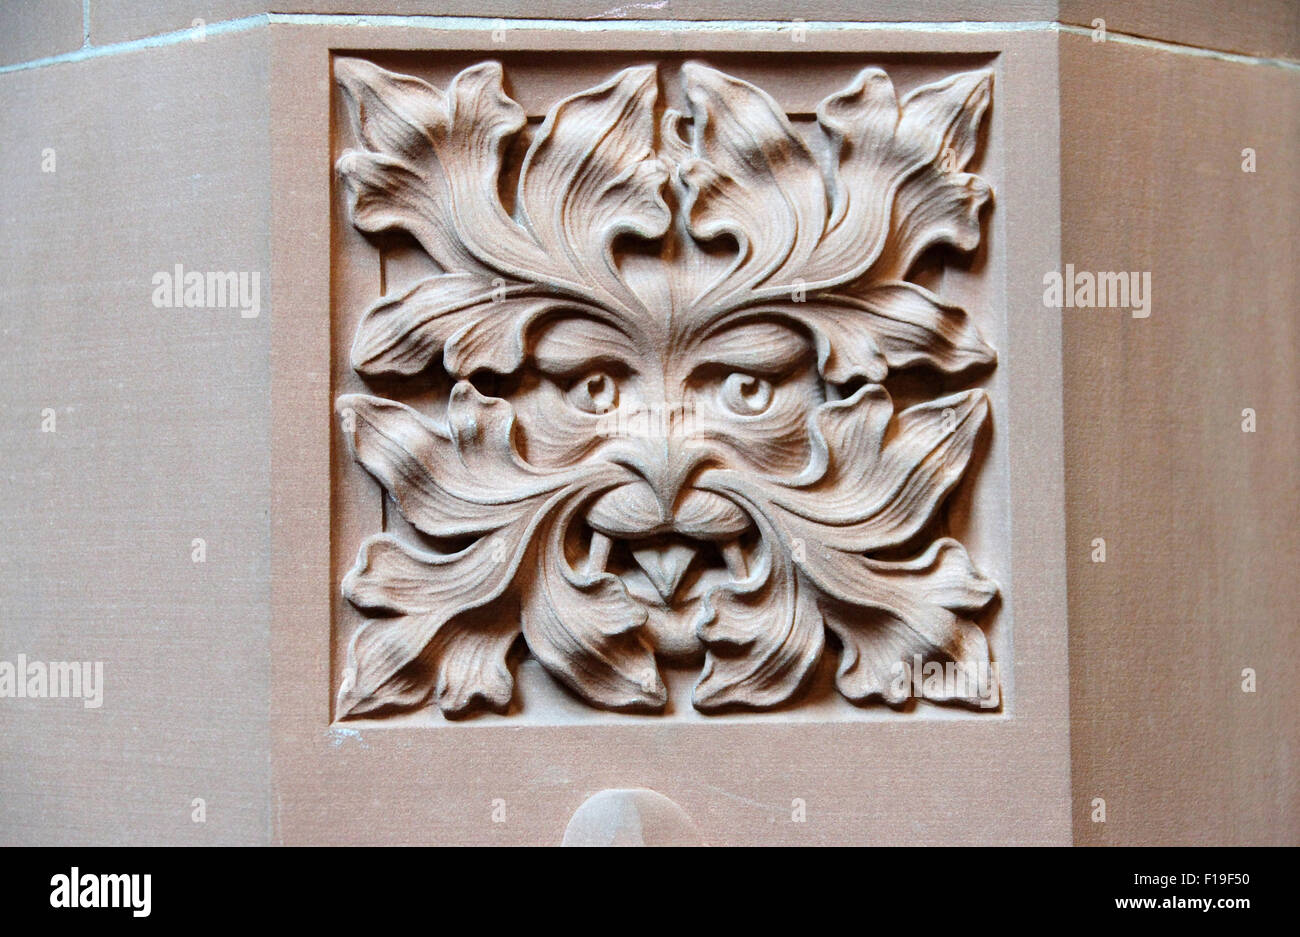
<point x="36" y="29"/>
<point x="1200" y="519"/>
<point x="161" y="437"/>
<point x="1269" y="28"/>
<point x="123" y="20"/>
<point x="119" y="20"/>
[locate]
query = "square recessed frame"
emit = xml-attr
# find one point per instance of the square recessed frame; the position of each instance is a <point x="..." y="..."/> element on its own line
<point x="866" y="775"/>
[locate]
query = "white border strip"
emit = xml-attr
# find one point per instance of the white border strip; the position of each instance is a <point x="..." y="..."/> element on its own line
<point x="471" y="23"/>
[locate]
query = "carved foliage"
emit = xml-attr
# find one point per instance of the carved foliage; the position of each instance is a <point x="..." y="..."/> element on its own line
<point x="695" y="456"/>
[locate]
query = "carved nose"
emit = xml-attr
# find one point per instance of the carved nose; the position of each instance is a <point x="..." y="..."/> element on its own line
<point x="666" y="465"/>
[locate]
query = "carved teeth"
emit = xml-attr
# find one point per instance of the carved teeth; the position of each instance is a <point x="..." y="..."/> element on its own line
<point x="735" y="560"/>
<point x="598" y="555"/>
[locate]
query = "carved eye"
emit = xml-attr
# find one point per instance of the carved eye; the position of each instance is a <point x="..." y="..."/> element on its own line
<point x="595" y="393"/>
<point x="745" y="394"/>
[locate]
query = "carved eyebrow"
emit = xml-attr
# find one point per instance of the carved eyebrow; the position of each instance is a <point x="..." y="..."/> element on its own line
<point x="763" y="347"/>
<point x="567" y="346"/>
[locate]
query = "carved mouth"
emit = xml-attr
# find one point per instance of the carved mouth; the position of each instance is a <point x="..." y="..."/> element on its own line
<point x="665" y="562"/>
<point x="663" y="542"/>
<point x="669" y="574"/>
<point x="668" y="560"/>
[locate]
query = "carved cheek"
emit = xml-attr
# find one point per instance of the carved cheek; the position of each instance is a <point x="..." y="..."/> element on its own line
<point x="774" y="442"/>
<point x="550" y="431"/>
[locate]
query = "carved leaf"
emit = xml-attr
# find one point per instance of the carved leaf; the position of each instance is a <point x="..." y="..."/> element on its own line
<point x="883" y="611"/>
<point x="891" y="326"/>
<point x="755" y="180"/>
<point x="597" y="149"/>
<point x="432" y="163"/>
<point x="582" y="628"/>
<point x="432" y="166"/>
<point x="861" y="122"/>
<point x="920" y="466"/>
<point x="764" y="637"/>
<point x="889" y="614"/>
<point x="939" y="204"/>
<point x="585" y="630"/>
<point x="479" y="322"/>
<point x="431" y="642"/>
<point x="449" y="481"/>
<point x="864" y="494"/>
<point x="892" y="190"/>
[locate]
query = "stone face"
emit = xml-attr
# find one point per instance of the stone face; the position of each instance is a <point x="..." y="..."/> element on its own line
<point x="688" y="317"/>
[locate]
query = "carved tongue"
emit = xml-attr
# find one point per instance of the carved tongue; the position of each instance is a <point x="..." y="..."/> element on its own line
<point x="664" y="564"/>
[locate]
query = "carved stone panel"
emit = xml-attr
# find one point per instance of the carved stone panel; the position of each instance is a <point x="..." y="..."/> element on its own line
<point x="627" y="439"/>
<point x="663" y="397"/>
